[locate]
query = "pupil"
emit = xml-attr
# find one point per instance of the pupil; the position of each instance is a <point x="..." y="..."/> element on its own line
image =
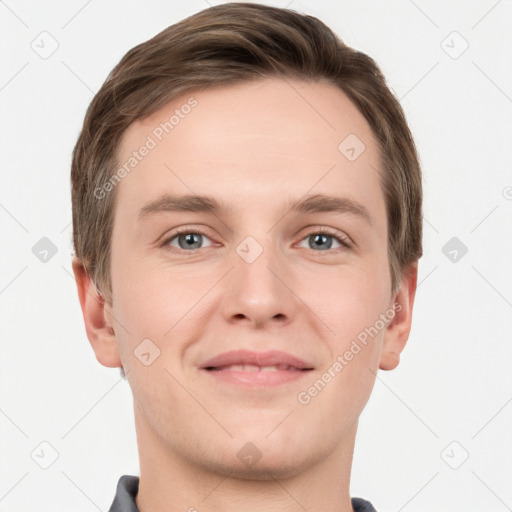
<point x="190" y="240"/>
<point x="322" y="239"/>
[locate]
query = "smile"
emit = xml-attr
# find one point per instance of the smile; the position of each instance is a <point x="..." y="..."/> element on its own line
<point x="256" y="369"/>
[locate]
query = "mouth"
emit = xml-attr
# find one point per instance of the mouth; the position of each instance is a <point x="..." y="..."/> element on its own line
<point x="256" y="369"/>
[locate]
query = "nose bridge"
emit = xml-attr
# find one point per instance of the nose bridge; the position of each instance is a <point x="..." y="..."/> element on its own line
<point x="256" y="289"/>
<point x="253" y="261"/>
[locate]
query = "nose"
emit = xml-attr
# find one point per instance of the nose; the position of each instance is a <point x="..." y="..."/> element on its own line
<point x="259" y="290"/>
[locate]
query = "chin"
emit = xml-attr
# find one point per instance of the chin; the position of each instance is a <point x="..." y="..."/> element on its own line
<point x="256" y="457"/>
<point x="270" y="467"/>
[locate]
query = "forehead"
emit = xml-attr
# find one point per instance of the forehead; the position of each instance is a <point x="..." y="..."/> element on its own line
<point x="268" y="137"/>
<point x="297" y="109"/>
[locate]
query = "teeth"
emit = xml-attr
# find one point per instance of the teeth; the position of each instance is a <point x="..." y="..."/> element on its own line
<point x="254" y="368"/>
<point x="245" y="368"/>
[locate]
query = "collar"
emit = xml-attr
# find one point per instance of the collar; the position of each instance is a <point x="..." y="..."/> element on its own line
<point x="128" y="486"/>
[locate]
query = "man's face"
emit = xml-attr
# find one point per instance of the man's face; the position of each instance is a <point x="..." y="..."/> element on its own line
<point x="254" y="283"/>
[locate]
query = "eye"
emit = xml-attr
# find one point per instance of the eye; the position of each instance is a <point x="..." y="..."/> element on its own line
<point x="322" y="240"/>
<point x="187" y="240"/>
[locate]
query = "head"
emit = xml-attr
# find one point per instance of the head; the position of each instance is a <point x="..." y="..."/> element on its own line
<point x="286" y="164"/>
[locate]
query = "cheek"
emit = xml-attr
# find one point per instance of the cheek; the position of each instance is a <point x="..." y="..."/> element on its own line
<point x="344" y="384"/>
<point x="152" y="300"/>
<point x="157" y="304"/>
<point x="348" y="299"/>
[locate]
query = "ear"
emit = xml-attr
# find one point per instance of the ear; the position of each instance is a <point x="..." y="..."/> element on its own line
<point x="97" y="315"/>
<point x="397" y="332"/>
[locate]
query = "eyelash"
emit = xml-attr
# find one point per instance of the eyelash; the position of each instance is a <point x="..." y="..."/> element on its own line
<point x="343" y="240"/>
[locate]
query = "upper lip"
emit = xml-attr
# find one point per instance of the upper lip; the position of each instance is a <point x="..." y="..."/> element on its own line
<point x="247" y="357"/>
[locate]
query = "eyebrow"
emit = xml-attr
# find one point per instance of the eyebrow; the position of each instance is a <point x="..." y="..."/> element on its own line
<point x="318" y="203"/>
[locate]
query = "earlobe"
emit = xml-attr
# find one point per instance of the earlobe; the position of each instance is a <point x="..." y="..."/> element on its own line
<point x="96" y="317"/>
<point x="397" y="332"/>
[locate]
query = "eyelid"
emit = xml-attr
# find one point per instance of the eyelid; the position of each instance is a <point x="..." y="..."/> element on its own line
<point x="341" y="237"/>
<point x="183" y="230"/>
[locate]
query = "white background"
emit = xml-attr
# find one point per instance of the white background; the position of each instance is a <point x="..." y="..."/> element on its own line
<point x="454" y="381"/>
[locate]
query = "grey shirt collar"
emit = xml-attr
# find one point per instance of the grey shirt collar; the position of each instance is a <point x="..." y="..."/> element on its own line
<point x="128" y="486"/>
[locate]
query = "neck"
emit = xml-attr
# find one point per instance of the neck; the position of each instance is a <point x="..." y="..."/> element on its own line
<point x="171" y="483"/>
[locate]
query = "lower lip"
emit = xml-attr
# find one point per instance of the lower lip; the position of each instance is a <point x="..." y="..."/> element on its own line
<point x="258" y="379"/>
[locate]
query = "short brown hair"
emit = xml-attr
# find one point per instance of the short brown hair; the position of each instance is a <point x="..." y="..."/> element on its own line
<point x="226" y="44"/>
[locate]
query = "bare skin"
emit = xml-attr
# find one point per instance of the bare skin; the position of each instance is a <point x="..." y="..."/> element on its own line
<point x="254" y="147"/>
